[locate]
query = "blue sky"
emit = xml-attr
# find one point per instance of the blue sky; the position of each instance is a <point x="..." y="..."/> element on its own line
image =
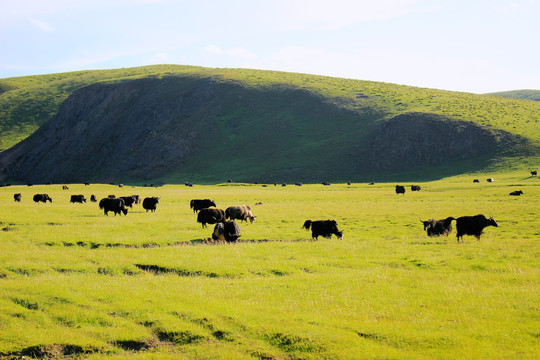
<point x="473" y="45"/>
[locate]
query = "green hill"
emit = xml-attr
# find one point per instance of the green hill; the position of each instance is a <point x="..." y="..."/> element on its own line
<point x="180" y="123"/>
<point x="519" y="94"/>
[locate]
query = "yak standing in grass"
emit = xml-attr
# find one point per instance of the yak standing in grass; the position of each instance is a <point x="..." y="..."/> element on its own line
<point x="17" y="197"/>
<point x="473" y="225"/>
<point x="42" y="197"/>
<point x="239" y="212"/>
<point x="199" y="204"/>
<point x="415" y="188"/>
<point x="438" y="227"/>
<point x="210" y="216"/>
<point x="228" y="231"/>
<point x="118" y="206"/>
<point x="400" y="189"/>
<point x="150" y="203"/>
<point x="77" y="199"/>
<point x="323" y="228"/>
<point x="129" y="200"/>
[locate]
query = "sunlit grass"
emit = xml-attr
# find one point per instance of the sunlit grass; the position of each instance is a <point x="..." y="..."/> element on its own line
<point x="76" y="282"/>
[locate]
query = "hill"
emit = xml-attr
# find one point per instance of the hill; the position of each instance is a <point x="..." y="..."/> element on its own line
<point x="180" y="123"/>
<point x="519" y="94"/>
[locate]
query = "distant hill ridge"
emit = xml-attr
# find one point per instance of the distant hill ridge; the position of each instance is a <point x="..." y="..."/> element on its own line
<point x="180" y="123"/>
<point x="519" y="94"/>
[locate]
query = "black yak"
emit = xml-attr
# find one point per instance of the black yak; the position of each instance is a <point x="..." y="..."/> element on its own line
<point x="438" y="227"/>
<point x="42" y="197"/>
<point x="516" y="193"/>
<point x="17" y="197"/>
<point x="210" y="216"/>
<point x="323" y="228"/>
<point x="129" y="200"/>
<point x="198" y="204"/>
<point x="473" y="225"/>
<point x="400" y="189"/>
<point x="415" y="188"/>
<point x="115" y="205"/>
<point x="77" y="199"/>
<point x="150" y="203"/>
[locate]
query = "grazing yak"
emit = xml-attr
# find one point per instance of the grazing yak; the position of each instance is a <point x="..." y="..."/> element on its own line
<point x="239" y="212"/>
<point x="476" y="181"/>
<point x="516" y="193"/>
<point x="415" y="188"/>
<point x="150" y="203"/>
<point x="473" y="225"/>
<point x="210" y="216"/>
<point x="400" y="189"/>
<point x="77" y="199"/>
<point x="129" y="200"/>
<point x="64" y="187"/>
<point x="42" y="197"/>
<point x="17" y="197"/>
<point x="534" y="173"/>
<point x="115" y="205"/>
<point x="490" y="180"/>
<point x="438" y="227"/>
<point x="199" y="204"/>
<point x="228" y="231"/>
<point x="93" y="198"/>
<point x="323" y="228"/>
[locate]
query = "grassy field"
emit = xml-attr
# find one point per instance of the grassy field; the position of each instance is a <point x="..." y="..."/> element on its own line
<point x="76" y="283"/>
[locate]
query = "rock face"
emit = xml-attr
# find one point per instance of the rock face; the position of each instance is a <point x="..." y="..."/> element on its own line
<point x="173" y="127"/>
<point x="104" y="132"/>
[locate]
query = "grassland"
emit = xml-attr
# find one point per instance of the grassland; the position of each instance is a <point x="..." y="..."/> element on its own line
<point x="75" y="283"/>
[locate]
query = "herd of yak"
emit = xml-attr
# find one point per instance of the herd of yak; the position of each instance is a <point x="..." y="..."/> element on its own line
<point x="226" y="229"/>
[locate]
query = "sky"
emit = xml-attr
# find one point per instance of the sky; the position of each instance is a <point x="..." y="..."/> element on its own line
<point x="477" y="46"/>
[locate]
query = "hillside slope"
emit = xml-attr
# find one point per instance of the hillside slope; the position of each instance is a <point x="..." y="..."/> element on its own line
<point x="519" y="94"/>
<point x="208" y="125"/>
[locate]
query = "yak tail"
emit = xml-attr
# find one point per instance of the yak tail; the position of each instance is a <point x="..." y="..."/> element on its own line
<point x="307" y="224"/>
<point x="448" y="220"/>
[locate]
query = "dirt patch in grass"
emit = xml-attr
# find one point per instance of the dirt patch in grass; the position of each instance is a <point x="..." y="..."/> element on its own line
<point x="159" y="270"/>
<point x="50" y="351"/>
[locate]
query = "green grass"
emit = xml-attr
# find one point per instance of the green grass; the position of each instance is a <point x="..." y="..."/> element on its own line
<point x="74" y="282"/>
<point x="519" y="94"/>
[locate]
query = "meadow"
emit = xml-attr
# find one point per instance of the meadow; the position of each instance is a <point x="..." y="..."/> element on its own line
<point x="75" y="283"/>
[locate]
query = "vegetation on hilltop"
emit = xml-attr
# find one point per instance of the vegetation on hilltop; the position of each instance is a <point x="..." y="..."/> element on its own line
<point x="519" y="94"/>
<point x="308" y="119"/>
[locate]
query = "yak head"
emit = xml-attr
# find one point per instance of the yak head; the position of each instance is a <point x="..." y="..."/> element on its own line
<point x="491" y="221"/>
<point x="428" y="224"/>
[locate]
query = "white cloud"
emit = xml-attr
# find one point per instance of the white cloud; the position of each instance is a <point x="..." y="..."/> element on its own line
<point x="41" y="25"/>
<point x="236" y="52"/>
